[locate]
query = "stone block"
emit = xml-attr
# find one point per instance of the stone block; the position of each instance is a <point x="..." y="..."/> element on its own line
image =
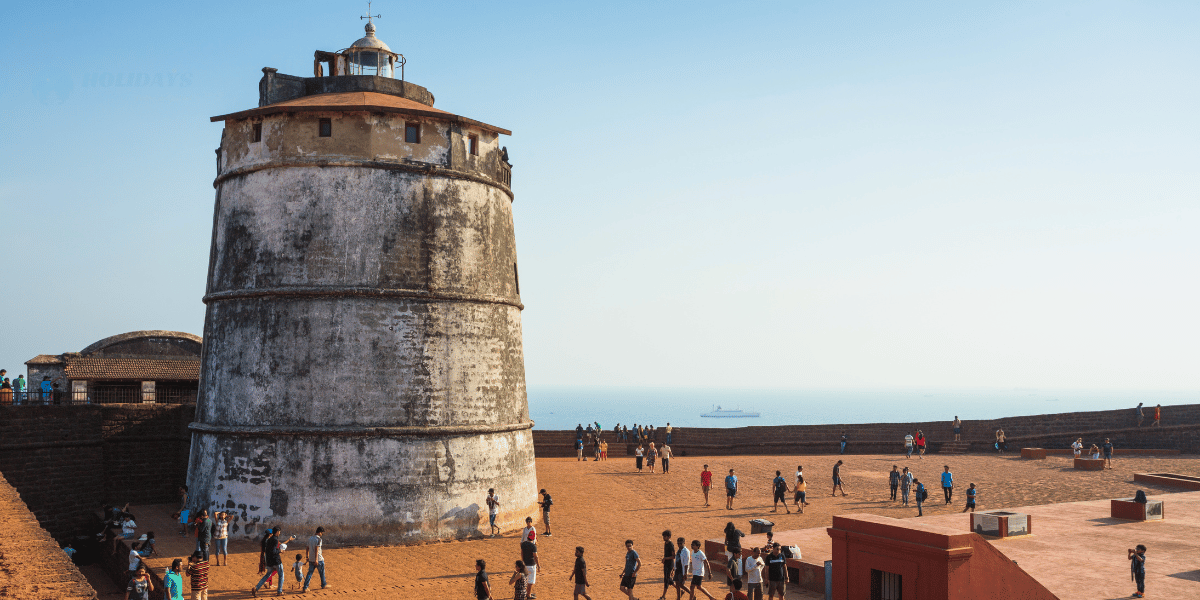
<point x="1126" y="508"/>
<point x="1089" y="464"/>
<point x="1033" y="453"/>
<point x="1001" y="524"/>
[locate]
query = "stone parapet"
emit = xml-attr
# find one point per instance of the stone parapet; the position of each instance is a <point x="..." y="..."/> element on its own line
<point x="33" y="564"/>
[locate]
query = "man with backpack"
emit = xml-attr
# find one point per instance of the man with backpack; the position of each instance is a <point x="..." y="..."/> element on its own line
<point x="921" y="495"/>
<point x="780" y="488"/>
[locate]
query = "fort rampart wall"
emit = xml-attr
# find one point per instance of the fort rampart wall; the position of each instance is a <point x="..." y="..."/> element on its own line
<point x="1180" y="431"/>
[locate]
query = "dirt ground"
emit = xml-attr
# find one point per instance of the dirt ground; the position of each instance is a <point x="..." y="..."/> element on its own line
<point x="600" y="504"/>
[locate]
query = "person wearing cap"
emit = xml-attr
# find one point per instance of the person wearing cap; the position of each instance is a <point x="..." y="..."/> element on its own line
<point x="546" y="503"/>
<point x="529" y="556"/>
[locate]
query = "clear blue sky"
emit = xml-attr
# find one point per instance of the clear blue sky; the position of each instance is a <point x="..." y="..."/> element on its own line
<point x="775" y="194"/>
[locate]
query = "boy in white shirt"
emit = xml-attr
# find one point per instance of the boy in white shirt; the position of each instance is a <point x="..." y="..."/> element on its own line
<point x="700" y="569"/>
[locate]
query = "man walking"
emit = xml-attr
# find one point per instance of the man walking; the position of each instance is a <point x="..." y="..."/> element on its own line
<point x="683" y="558"/>
<point x="700" y="570"/>
<point x="777" y="575"/>
<point x="920" y="444"/>
<point x="780" y="488"/>
<point x="1141" y="416"/>
<point x="921" y="493"/>
<point x="1157" y="416"/>
<point x="316" y="560"/>
<point x="906" y="480"/>
<point x="730" y="489"/>
<point x="529" y="556"/>
<point x="546" y="503"/>
<point x="706" y="483"/>
<point x="843" y="442"/>
<point x="579" y="575"/>
<point x="908" y="445"/>
<point x="668" y="563"/>
<point x="493" y="504"/>
<point x="947" y="483"/>
<point x="837" y="479"/>
<point x="894" y="480"/>
<point x="629" y="574"/>
<point x="665" y="453"/>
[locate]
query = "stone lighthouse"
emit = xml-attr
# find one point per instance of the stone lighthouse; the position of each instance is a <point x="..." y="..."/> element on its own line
<point x="362" y="362"/>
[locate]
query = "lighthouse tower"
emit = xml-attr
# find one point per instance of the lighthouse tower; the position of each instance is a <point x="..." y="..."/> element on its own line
<point x="362" y="362"/>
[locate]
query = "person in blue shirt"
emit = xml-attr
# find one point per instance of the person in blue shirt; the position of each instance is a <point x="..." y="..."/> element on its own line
<point x="920" y="497"/>
<point x="730" y="489"/>
<point x="173" y="581"/>
<point x="971" y="494"/>
<point x="947" y="483"/>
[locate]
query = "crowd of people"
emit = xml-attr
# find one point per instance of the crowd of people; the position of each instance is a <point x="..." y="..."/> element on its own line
<point x="16" y="391"/>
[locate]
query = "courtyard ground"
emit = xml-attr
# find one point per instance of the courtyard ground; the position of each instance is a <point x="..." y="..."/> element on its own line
<point x="600" y="504"/>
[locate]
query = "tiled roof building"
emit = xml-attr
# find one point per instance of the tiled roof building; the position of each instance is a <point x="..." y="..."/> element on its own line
<point x="139" y="366"/>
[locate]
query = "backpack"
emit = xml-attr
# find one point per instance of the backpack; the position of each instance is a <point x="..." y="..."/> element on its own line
<point x="923" y="493"/>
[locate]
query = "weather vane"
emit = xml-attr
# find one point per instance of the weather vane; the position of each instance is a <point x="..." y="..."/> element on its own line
<point x="369" y="16"/>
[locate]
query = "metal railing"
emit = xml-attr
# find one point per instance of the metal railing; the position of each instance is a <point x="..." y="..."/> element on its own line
<point x="102" y="395"/>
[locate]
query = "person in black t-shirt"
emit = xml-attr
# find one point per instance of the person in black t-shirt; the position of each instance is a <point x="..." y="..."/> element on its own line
<point x="668" y="562"/>
<point x="777" y="575"/>
<point x="579" y="575"/>
<point x="546" y="503"/>
<point x="780" y="488"/>
<point x="483" y="591"/>
<point x="529" y="556"/>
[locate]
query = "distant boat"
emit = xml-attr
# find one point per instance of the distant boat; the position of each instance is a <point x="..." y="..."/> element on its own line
<point x="729" y="413"/>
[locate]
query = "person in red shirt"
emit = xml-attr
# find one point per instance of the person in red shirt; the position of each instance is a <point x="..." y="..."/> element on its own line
<point x="920" y="444"/>
<point x="706" y="482"/>
<point x="1157" y="416"/>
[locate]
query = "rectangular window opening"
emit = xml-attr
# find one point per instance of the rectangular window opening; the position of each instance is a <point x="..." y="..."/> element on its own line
<point x="885" y="586"/>
<point x="473" y="145"/>
<point x="325" y="129"/>
<point x="412" y="133"/>
<point x="256" y="133"/>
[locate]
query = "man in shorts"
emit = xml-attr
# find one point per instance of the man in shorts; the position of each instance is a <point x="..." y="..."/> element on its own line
<point x="801" y="489"/>
<point x="837" y="479"/>
<point x="705" y="483"/>
<point x="971" y="493"/>
<point x="777" y="575"/>
<point x="668" y="563"/>
<point x="908" y="445"/>
<point x="682" y="559"/>
<point x="546" y="503"/>
<point x="1108" y="450"/>
<point x="780" y="487"/>
<point x="957" y="429"/>
<point x="579" y="575"/>
<point x="730" y="489"/>
<point x="700" y="570"/>
<point x="1077" y="447"/>
<point x="629" y="573"/>
<point x="529" y="556"/>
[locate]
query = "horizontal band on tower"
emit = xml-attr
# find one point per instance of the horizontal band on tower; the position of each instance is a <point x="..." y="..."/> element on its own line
<point x="359" y="292"/>
<point x="428" y="169"/>
<point x="406" y="431"/>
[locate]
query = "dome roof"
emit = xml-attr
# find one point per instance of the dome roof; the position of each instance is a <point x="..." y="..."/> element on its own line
<point x="370" y="41"/>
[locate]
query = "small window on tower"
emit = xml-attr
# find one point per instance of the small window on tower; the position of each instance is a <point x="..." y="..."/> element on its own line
<point x="325" y="129"/>
<point x="473" y="145"/>
<point x="256" y="134"/>
<point x="412" y="133"/>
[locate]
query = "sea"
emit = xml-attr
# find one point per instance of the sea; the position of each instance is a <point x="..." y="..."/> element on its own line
<point x="564" y="407"/>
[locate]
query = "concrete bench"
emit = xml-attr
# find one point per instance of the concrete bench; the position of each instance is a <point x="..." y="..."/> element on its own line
<point x="1126" y="508"/>
<point x="1089" y="464"/>
<point x="1033" y="453"/>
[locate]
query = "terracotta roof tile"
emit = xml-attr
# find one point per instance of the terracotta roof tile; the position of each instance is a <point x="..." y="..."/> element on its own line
<point x="133" y="368"/>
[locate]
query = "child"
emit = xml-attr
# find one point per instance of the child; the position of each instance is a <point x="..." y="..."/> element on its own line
<point x="298" y="569"/>
<point x="971" y="492"/>
<point x="128" y="527"/>
<point x="1137" y="569"/>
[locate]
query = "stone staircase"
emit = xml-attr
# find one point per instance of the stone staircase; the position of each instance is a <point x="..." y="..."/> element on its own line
<point x="954" y="448"/>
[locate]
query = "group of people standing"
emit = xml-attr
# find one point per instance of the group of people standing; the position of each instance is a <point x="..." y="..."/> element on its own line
<point x="646" y="456"/>
<point x="905" y="481"/>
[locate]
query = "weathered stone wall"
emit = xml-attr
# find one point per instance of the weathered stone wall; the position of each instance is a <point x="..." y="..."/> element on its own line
<point x="66" y="460"/>
<point x="1182" y="432"/>
<point x="362" y="362"/>
<point x="32" y="564"/>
